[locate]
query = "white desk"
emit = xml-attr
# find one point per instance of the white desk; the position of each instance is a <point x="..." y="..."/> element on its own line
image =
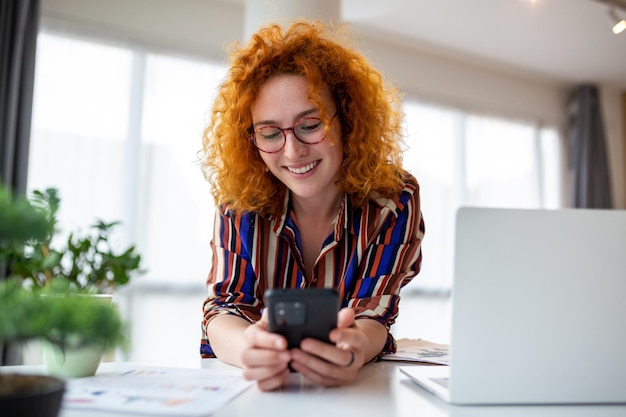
<point x="381" y="391"/>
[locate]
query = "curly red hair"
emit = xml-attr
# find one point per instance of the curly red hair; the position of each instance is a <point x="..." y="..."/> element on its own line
<point x="369" y="111"/>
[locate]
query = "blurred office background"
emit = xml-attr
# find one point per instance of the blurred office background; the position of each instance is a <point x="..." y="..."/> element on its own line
<point x="123" y="89"/>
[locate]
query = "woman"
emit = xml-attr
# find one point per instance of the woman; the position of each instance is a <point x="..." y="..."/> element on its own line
<point x="303" y="154"/>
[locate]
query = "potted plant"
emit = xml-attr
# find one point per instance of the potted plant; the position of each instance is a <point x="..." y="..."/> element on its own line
<point x="22" y="395"/>
<point x="60" y="313"/>
<point x="87" y="260"/>
<point x="71" y="320"/>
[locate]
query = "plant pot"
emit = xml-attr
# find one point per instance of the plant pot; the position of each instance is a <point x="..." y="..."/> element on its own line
<point x="30" y="395"/>
<point x="72" y="362"/>
<point x="78" y="357"/>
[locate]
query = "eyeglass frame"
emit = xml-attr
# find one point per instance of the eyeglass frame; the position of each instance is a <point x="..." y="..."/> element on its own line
<point x="292" y="128"/>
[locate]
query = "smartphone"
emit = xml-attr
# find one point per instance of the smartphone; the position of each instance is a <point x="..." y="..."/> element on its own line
<point x="300" y="313"/>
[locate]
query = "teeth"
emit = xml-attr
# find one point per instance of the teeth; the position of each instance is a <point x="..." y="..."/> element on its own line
<point x="304" y="169"/>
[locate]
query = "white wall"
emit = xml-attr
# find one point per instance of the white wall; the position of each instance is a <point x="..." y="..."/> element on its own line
<point x="206" y="27"/>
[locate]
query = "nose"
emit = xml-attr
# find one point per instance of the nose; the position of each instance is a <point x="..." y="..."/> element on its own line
<point x="294" y="149"/>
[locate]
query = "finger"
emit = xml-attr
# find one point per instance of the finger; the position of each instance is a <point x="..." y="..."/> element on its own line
<point x="321" y="371"/>
<point x="350" y="338"/>
<point x="345" y="339"/>
<point x="329" y="353"/>
<point x="351" y="361"/>
<point x="273" y="382"/>
<point x="257" y="336"/>
<point x="265" y="358"/>
<point x="264" y="322"/>
<point x="345" y="318"/>
<point x="262" y="373"/>
<point x="315" y="376"/>
<point x="257" y="373"/>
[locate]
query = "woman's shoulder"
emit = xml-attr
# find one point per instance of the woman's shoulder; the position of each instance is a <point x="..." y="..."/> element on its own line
<point x="398" y="202"/>
<point x="411" y="186"/>
<point x="227" y="210"/>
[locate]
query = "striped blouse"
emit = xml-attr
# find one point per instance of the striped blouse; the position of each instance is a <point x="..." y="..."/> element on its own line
<point x="371" y="253"/>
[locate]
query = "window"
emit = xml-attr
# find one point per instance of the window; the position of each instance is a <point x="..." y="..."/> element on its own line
<point x="117" y="130"/>
<point x="474" y="160"/>
<point x="79" y="128"/>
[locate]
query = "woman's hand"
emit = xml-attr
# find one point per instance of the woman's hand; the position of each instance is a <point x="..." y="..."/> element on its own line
<point x="265" y="358"/>
<point x="333" y="365"/>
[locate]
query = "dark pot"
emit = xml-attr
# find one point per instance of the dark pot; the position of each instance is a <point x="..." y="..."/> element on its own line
<point x="30" y="395"/>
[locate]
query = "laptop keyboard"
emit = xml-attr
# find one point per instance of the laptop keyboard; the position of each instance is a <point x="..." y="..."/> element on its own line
<point x="443" y="381"/>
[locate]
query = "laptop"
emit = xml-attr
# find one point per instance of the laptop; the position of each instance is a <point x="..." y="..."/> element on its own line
<point x="538" y="309"/>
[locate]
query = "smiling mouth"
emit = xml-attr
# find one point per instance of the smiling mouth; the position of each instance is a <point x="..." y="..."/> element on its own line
<point x="304" y="169"/>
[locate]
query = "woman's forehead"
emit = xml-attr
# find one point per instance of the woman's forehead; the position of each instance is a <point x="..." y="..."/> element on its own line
<point x="289" y="95"/>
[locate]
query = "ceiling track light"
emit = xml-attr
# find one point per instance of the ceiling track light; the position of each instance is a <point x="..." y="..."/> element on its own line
<point x="619" y="24"/>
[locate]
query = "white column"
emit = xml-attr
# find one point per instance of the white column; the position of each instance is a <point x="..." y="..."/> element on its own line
<point x="261" y="12"/>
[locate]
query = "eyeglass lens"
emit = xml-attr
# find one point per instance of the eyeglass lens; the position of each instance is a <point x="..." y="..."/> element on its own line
<point x="309" y="130"/>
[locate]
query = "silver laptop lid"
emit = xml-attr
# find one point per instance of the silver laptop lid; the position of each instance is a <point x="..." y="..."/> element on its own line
<point x="539" y="306"/>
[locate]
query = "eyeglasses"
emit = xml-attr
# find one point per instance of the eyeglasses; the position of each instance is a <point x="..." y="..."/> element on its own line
<point x="309" y="130"/>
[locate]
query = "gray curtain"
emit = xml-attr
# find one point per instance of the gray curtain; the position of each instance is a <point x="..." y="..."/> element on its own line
<point x="587" y="150"/>
<point x="19" y="24"/>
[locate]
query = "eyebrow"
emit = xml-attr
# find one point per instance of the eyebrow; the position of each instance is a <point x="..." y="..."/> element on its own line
<point x="298" y="116"/>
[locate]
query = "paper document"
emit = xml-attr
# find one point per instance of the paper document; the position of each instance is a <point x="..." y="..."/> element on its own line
<point x="156" y="391"/>
<point x="419" y="351"/>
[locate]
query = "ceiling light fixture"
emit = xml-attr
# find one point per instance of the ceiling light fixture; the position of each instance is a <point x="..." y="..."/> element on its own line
<point x="621" y="23"/>
<point x="618" y="23"/>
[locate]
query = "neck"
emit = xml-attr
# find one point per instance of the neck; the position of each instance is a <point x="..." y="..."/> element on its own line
<point x="318" y="208"/>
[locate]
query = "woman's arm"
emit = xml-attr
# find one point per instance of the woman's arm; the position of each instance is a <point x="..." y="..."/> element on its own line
<point x="235" y="331"/>
<point x="376" y="336"/>
<point x="391" y="258"/>
<point x="226" y="334"/>
<point x="231" y="286"/>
